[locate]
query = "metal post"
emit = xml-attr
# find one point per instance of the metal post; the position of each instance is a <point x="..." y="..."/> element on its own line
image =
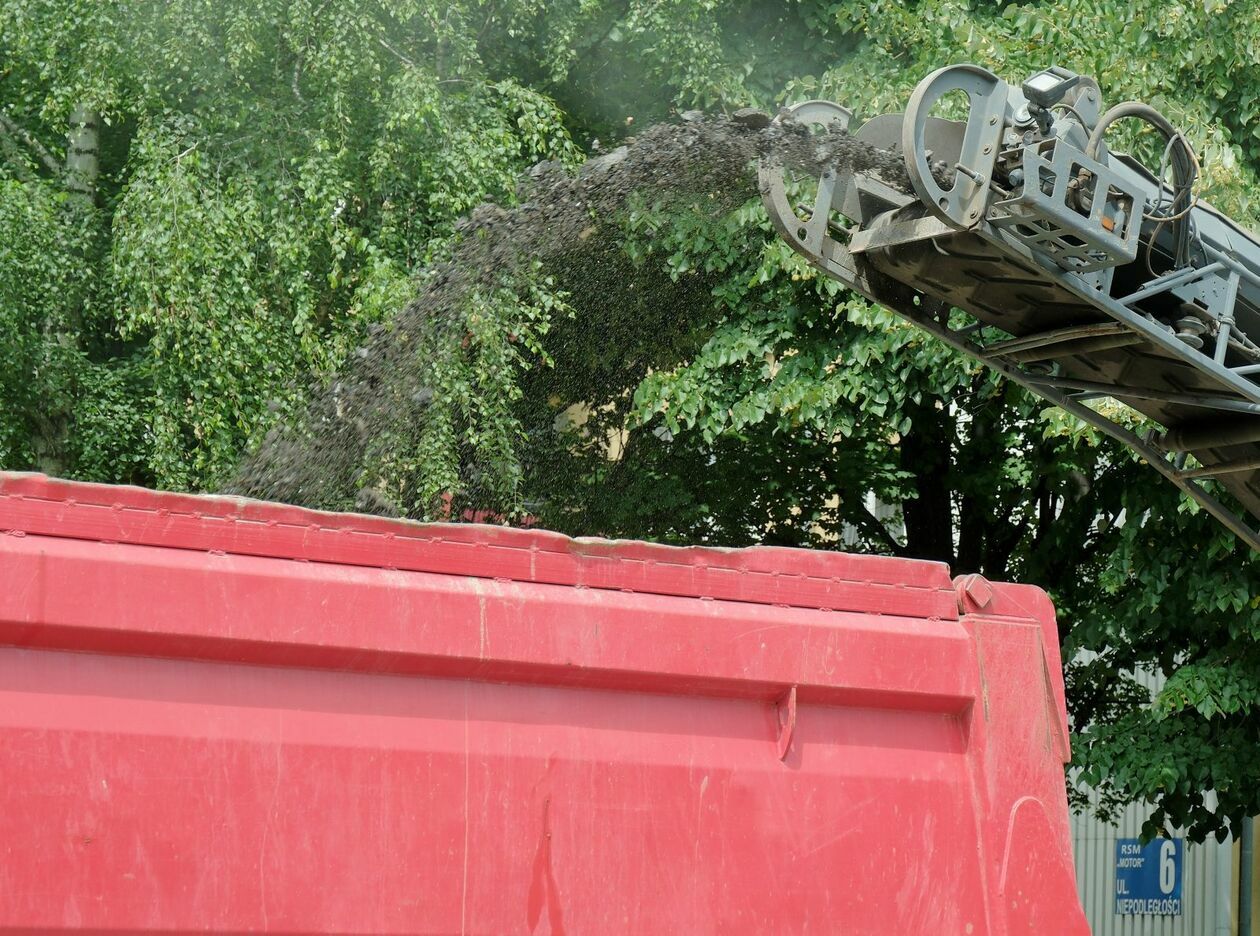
<point x="1224" y="868"/>
<point x="1226" y="318"/>
<point x="1246" y="856"/>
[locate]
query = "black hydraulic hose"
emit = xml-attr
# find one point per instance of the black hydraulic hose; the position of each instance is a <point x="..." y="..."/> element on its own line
<point x="1184" y="167"/>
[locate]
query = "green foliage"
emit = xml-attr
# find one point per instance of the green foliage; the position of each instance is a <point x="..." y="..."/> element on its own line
<point x="189" y="264"/>
<point x="1169" y="591"/>
<point x="277" y="175"/>
<point x="474" y="370"/>
<point x="40" y="280"/>
<point x="273" y="175"/>
<point x="496" y="128"/>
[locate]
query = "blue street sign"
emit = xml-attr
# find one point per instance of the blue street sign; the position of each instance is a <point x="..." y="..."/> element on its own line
<point x="1148" y="877"/>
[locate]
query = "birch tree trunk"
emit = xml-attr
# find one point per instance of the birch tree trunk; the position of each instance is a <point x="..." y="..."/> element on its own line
<point x="62" y="327"/>
<point x="83" y="155"/>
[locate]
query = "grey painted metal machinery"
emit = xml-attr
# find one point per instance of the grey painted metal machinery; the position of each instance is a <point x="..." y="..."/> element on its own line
<point x="1104" y="278"/>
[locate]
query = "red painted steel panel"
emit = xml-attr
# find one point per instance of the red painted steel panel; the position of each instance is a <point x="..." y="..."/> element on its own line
<point x="201" y="734"/>
<point x="798" y="577"/>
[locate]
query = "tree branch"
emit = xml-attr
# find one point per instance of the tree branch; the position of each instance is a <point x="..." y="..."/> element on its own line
<point x="297" y="76"/>
<point x="492" y="11"/>
<point x="593" y="46"/>
<point x="1003" y="539"/>
<point x="18" y="157"/>
<point x="872" y="524"/>
<point x="299" y="54"/>
<point x="389" y="48"/>
<point x="14" y="131"/>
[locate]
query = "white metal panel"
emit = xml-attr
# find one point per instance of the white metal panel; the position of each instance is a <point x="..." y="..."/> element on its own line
<point x="1203" y="906"/>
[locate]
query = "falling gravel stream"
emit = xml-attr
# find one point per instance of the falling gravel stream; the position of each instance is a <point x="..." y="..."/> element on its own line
<point x="317" y="459"/>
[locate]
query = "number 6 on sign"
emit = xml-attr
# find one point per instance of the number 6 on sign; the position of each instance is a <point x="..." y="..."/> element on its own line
<point x="1167" y="866"/>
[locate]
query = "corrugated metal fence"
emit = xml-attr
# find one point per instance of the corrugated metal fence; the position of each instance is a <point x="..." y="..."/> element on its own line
<point x="1207" y="901"/>
<point x="1203" y="869"/>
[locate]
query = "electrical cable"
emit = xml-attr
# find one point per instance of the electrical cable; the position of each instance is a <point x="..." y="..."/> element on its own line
<point x="1180" y="155"/>
<point x="1064" y="105"/>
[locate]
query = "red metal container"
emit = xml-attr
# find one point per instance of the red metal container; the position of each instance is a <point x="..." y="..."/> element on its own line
<point x="233" y="716"/>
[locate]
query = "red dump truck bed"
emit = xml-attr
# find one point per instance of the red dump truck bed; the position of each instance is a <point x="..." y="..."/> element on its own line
<point x="223" y="715"/>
